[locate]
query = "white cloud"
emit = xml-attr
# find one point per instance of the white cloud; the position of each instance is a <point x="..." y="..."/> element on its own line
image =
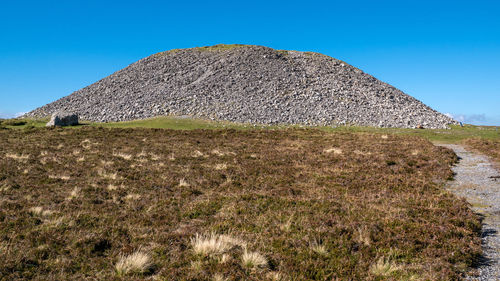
<point x="8" y="115"/>
<point x="19" y="114"/>
<point x="476" y="119"/>
<point x="5" y="115"/>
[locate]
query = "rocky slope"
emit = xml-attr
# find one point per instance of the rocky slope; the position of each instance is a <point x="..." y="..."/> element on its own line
<point x="249" y="84"/>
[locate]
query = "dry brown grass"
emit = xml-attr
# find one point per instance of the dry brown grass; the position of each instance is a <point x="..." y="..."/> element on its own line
<point x="123" y="155"/>
<point x="219" y="277"/>
<point x="137" y="262"/>
<point x="318" y="248"/>
<point x="384" y="268"/>
<point x="334" y="150"/>
<point x="18" y="157"/>
<point x="253" y="260"/>
<point x="222" y="166"/>
<point x="310" y="214"/>
<point x="488" y="147"/>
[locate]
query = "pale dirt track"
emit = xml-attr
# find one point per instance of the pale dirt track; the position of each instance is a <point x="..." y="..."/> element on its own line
<point x="478" y="181"/>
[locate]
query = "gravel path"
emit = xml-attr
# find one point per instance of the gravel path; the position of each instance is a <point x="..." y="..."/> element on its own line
<point x="477" y="180"/>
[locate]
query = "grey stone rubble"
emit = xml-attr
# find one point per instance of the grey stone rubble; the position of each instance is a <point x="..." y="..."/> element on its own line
<point x="476" y="180"/>
<point x="247" y="84"/>
<point x="63" y="119"/>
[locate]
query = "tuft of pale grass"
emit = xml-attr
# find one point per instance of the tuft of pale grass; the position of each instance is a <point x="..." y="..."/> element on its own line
<point x="4" y="247"/>
<point x="142" y="160"/>
<point x="384" y="267"/>
<point x="253" y="260"/>
<point x="275" y="276"/>
<point x="222" y="166"/>
<point x="154" y="157"/>
<point x="183" y="183"/>
<point x="334" y="150"/>
<point x="55" y="222"/>
<point x="132" y="196"/>
<point x="123" y="155"/>
<point x="47" y="213"/>
<point x="39" y="211"/>
<point x="384" y="137"/>
<point x="17" y="157"/>
<point x="86" y="144"/>
<point x="286" y="226"/>
<point x="364" y="236"/>
<point x="197" y="154"/>
<point x="196" y="265"/>
<point x="318" y="248"/>
<point x="106" y="163"/>
<point x="105" y="175"/>
<point x="214" y="244"/>
<point x="36" y="210"/>
<point x="137" y="262"/>
<point x="219" y="277"/>
<point x="74" y="193"/>
<point x="217" y="152"/>
<point x="224" y="258"/>
<point x="60" y="177"/>
<point x="210" y="244"/>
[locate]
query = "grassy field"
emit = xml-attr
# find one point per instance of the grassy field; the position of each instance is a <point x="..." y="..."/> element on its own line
<point x="22" y="123"/>
<point x="456" y="134"/>
<point x="129" y="204"/>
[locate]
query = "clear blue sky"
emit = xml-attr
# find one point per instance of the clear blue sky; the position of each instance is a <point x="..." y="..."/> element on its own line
<point x="445" y="53"/>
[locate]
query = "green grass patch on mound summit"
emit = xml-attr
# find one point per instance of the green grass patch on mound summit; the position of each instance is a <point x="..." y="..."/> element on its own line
<point x="220" y="47"/>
